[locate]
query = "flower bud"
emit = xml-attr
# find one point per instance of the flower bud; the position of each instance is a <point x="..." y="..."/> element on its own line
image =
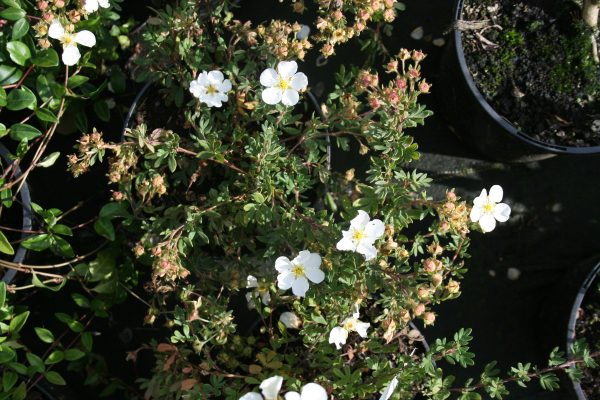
<point x="392" y="66"/>
<point x="417" y="55"/>
<point x="453" y="286"/>
<point x="59" y="3"/>
<point x="290" y="320"/>
<point x="429" y="265"/>
<point x="424" y="87"/>
<point x="419" y="309"/>
<point x="404" y="315"/>
<point x="423" y="292"/>
<point x="451" y="196"/>
<point x="429" y="318"/>
<point x="437" y="279"/>
<point x="404" y="54"/>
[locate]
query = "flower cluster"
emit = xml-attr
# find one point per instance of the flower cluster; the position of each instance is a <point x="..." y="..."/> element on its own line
<point x="270" y="388"/>
<point x="284" y="40"/>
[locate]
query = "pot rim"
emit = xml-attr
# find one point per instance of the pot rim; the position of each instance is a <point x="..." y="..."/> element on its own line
<point x="587" y="283"/>
<point x="501" y="120"/>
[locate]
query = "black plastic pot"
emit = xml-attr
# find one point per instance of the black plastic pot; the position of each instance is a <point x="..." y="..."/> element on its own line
<point x="587" y="283"/>
<point x="26" y="224"/>
<point x="476" y="122"/>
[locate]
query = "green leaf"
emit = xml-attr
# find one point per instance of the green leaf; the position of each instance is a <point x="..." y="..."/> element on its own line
<point x="102" y="111"/>
<point x="9" y="378"/>
<point x="45" y="115"/>
<point x="17" y="323"/>
<point x="19" y="99"/>
<point x="49" y="160"/>
<point x="3" y="99"/>
<point x="63" y="247"/>
<point x="5" y="246"/>
<point x="12" y="13"/>
<point x="37" y="243"/>
<point x="55" y="357"/>
<point x="105" y="228"/>
<point x="36" y="362"/>
<point x="76" y="81"/>
<point x="73" y="354"/>
<point x="87" y="341"/>
<point x="113" y="210"/>
<point x="55" y="378"/>
<point x="45" y="58"/>
<point x="20" y="393"/>
<point x="20" y="29"/>
<point x="62" y="230"/>
<point x="18" y="52"/>
<point x="44" y="334"/>
<point x="38" y="283"/>
<point x="7" y="354"/>
<point x="2" y="293"/>
<point x="9" y="74"/>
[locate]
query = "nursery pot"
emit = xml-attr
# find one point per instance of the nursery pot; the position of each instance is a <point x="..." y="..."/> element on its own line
<point x="571" y="328"/>
<point x="26" y="223"/>
<point x="476" y="122"/>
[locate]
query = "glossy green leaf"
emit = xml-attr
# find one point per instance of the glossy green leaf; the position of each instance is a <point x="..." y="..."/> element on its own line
<point x="12" y="13"/>
<point x="2" y="293"/>
<point x="36" y="362"/>
<point x="44" y="334"/>
<point x="3" y="99"/>
<point x="7" y="354"/>
<point x="18" y="52"/>
<point x="3" y="132"/>
<point x="55" y="378"/>
<point x="9" y="378"/>
<point x="20" y="29"/>
<point x="18" y="99"/>
<point x="73" y="354"/>
<point x="46" y="115"/>
<point x="24" y="132"/>
<point x="105" y="228"/>
<point x="9" y="74"/>
<point x="38" y="283"/>
<point x="37" y="243"/>
<point x="5" y="246"/>
<point x="76" y="81"/>
<point x="17" y="323"/>
<point x="55" y="357"/>
<point x="45" y="58"/>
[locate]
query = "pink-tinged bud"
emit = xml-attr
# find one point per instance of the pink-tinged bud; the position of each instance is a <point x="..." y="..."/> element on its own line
<point x="376" y="4"/>
<point x="417" y="55"/>
<point x="451" y="196"/>
<point x="419" y="309"/>
<point x="337" y="15"/>
<point x="393" y="97"/>
<point x="444" y="226"/>
<point x="423" y="292"/>
<point x="424" y="87"/>
<point x="437" y="279"/>
<point x="327" y="50"/>
<point x="453" y="286"/>
<point x="404" y="54"/>
<point x="429" y="318"/>
<point x="413" y="73"/>
<point x="359" y="26"/>
<point x="374" y="103"/>
<point x="401" y="83"/>
<point x="59" y="3"/>
<point x="429" y="265"/>
<point x="48" y="17"/>
<point x="42" y="5"/>
<point x="449" y="206"/>
<point x="392" y="66"/>
<point x="138" y="250"/>
<point x="390" y="3"/>
<point x="363" y="15"/>
<point x="389" y="15"/>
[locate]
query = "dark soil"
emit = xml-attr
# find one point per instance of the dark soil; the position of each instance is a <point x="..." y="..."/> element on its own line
<point x="533" y="62"/>
<point x="588" y="328"/>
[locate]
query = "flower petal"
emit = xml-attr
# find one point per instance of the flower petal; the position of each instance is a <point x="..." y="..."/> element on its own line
<point x="85" y="38"/>
<point x="476" y="213"/>
<point x="215" y="77"/>
<point x="287" y="69"/>
<point x="481" y="199"/>
<point x="487" y="222"/>
<point x="313" y="391"/>
<point x="292" y="396"/>
<point x="285" y="280"/>
<point x="313" y="260"/>
<point x="104" y="3"/>
<point x="389" y="389"/>
<point x="195" y="88"/>
<point x="70" y="55"/>
<point x="290" y="97"/>
<point x="251" y="281"/>
<point x="271" y="95"/>
<point x="338" y="336"/>
<point x="225" y="86"/>
<point x="299" y="81"/>
<point x="269" y="77"/>
<point x="56" y="30"/>
<point x="374" y="229"/>
<point x="250" y="300"/>
<point x="360" y="221"/>
<point x="283" y="264"/>
<point x="502" y="212"/>
<point x="251" y="396"/>
<point x="346" y="243"/>
<point x="367" y="250"/>
<point x="266" y="298"/>
<point x="314" y="274"/>
<point x="361" y="328"/>
<point x="270" y="387"/>
<point x="496" y="193"/>
<point x="290" y="320"/>
<point x="300" y="286"/>
<point x="90" y="6"/>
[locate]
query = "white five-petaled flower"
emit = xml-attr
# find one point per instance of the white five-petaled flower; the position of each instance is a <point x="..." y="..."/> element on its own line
<point x="487" y="209"/>
<point x="290" y="320"/>
<point x="310" y="391"/>
<point x="389" y="389"/>
<point x="362" y="234"/>
<point x="211" y="88"/>
<point x="71" y="54"/>
<point x="339" y="334"/>
<point x="270" y="388"/>
<point x="282" y="85"/>
<point x="295" y="274"/>
<point x="91" y="6"/>
<point x="261" y="290"/>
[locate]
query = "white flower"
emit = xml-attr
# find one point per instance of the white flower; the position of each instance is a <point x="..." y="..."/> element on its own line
<point x="290" y="320"/>
<point x="71" y="54"/>
<point x="91" y="6"/>
<point x="293" y="274"/>
<point x="310" y="391"/>
<point x="361" y="235"/>
<point x="487" y="209"/>
<point x="261" y="290"/>
<point x="339" y="335"/>
<point x="389" y="389"/>
<point x="283" y="85"/>
<point x="270" y="388"/>
<point x="211" y="88"/>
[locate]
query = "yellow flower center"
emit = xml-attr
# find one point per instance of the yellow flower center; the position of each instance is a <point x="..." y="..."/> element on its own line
<point x="358" y="235"/>
<point x="284" y="84"/>
<point x="298" y="270"/>
<point x="489" y="207"/>
<point x="350" y="324"/>
<point x="68" y="39"/>
<point x="211" y="89"/>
